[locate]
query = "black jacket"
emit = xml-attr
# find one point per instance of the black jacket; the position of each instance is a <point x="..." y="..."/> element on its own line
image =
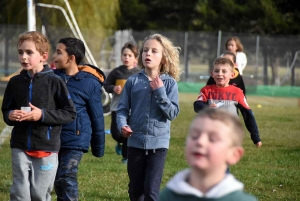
<point x="46" y="91"/>
<point x="117" y="74"/>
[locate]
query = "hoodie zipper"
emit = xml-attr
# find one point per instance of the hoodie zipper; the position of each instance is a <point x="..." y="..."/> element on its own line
<point x="49" y="132"/>
<point x="67" y="79"/>
<point x="30" y="125"/>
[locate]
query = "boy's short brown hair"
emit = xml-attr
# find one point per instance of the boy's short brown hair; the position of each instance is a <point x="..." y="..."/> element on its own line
<point x="132" y="47"/>
<point x="230" y="54"/>
<point x="39" y="39"/>
<point x="237" y="130"/>
<point x="224" y="61"/>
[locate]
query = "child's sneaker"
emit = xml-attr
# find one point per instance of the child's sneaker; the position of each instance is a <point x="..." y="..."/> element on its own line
<point x="124" y="160"/>
<point x="119" y="149"/>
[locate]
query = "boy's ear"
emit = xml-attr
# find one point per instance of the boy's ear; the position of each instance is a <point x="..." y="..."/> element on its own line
<point x="235" y="156"/>
<point x="45" y="56"/>
<point x="72" y="58"/>
<point x="232" y="74"/>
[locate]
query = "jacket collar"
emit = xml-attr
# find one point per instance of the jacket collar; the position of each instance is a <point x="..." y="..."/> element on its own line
<point x="92" y="70"/>
<point x="180" y="185"/>
<point x="163" y="76"/>
<point x="45" y="70"/>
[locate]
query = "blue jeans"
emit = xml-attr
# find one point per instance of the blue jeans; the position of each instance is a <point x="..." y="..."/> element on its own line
<point x="145" y="170"/>
<point x="66" y="185"/>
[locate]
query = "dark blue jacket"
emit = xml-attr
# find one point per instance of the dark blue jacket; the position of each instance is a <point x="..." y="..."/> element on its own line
<point x="85" y="89"/>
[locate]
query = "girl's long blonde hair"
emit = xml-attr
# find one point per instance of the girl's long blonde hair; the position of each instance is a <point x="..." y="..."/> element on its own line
<point x="170" y="56"/>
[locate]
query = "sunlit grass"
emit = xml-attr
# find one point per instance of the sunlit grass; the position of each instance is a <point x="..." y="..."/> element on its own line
<point x="270" y="173"/>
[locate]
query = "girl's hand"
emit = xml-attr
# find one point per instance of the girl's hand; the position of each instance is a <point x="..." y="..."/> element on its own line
<point x="156" y="83"/>
<point x="126" y="131"/>
<point x="117" y="89"/>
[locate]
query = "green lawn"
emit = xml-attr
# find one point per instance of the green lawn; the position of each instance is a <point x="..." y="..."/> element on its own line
<point x="271" y="173"/>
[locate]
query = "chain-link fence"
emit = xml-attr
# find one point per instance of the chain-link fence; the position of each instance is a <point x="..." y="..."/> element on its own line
<point x="272" y="60"/>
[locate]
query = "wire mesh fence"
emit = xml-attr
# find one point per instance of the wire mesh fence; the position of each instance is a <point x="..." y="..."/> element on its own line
<point x="271" y="60"/>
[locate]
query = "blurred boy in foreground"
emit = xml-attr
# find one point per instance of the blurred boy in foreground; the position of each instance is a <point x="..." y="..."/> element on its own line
<point x="214" y="142"/>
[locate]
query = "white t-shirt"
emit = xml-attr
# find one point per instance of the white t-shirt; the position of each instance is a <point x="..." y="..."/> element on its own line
<point x="241" y="61"/>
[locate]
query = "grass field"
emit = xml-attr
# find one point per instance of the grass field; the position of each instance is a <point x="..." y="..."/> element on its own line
<point x="271" y="173"/>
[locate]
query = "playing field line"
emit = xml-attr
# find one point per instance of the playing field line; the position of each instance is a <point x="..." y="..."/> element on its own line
<point x="5" y="134"/>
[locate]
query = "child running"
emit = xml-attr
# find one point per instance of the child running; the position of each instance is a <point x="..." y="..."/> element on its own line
<point x="85" y="86"/>
<point x="237" y="79"/>
<point x="114" y="84"/>
<point x="214" y="142"/>
<point x="150" y="101"/>
<point x="223" y="95"/>
<point x="35" y="138"/>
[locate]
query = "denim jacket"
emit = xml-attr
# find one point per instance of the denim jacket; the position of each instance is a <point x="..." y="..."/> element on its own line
<point x="149" y="111"/>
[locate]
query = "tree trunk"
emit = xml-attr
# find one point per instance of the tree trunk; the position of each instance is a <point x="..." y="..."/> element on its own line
<point x="275" y="70"/>
<point x="293" y="77"/>
<point x="265" y="75"/>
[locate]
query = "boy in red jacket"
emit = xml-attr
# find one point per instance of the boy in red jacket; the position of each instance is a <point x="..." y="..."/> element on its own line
<point x="223" y="95"/>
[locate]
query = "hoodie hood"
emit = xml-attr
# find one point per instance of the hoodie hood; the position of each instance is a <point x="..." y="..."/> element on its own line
<point x="228" y="185"/>
<point x="92" y="70"/>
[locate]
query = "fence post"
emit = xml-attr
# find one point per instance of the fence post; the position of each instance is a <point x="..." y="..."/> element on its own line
<point x="31" y="21"/>
<point x="256" y="57"/>
<point x="293" y="79"/>
<point x="219" y="43"/>
<point x="185" y="55"/>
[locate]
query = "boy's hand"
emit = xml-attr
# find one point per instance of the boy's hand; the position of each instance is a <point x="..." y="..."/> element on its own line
<point x="34" y="115"/>
<point x="156" y="83"/>
<point x="126" y="131"/>
<point x="213" y="105"/>
<point x="259" y="144"/>
<point x="117" y="89"/>
<point x="16" y="115"/>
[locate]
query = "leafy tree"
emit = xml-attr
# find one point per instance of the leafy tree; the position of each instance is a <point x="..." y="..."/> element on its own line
<point x="156" y="14"/>
<point x="242" y="16"/>
<point x="96" y="19"/>
<point x="263" y="17"/>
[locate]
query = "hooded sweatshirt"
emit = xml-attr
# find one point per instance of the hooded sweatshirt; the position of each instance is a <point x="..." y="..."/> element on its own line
<point x="229" y="189"/>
